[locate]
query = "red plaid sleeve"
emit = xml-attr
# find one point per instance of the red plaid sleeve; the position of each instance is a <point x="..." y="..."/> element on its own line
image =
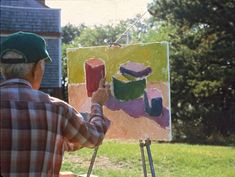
<point x="82" y="132"/>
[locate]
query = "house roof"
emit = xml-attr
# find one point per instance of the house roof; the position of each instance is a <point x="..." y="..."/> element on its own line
<point x="28" y="15"/>
<point x="23" y="3"/>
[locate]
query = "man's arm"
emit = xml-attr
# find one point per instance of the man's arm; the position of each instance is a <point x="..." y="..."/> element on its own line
<point x="89" y="133"/>
<point x="81" y="132"/>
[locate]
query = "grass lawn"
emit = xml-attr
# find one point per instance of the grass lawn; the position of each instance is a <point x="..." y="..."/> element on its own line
<point x="123" y="159"/>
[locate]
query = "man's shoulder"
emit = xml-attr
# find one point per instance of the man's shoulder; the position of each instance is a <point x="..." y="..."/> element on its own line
<point x="58" y="102"/>
<point x="62" y="105"/>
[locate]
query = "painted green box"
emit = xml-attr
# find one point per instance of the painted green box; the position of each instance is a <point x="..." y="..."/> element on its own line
<point x="128" y="88"/>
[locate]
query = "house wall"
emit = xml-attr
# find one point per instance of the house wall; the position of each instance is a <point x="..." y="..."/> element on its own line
<point x="34" y="16"/>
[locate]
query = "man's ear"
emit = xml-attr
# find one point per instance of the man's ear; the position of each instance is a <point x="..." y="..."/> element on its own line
<point x="36" y="68"/>
<point x="38" y="72"/>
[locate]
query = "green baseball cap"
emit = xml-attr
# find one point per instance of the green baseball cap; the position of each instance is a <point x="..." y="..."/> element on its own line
<point x="23" y="47"/>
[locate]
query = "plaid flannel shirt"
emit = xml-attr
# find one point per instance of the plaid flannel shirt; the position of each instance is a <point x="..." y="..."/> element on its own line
<point x="35" y="130"/>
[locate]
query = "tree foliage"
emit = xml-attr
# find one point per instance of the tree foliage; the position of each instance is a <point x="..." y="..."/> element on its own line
<point x="69" y="32"/>
<point x="108" y="34"/>
<point x="202" y="64"/>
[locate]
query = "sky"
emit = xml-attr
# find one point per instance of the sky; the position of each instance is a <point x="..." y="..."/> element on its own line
<point x="96" y="12"/>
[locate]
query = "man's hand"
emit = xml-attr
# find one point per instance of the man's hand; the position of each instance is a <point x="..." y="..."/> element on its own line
<point x="102" y="94"/>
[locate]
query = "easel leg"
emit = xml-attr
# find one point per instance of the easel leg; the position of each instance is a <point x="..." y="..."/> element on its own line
<point x="143" y="158"/>
<point x="148" y="143"/>
<point x="92" y="161"/>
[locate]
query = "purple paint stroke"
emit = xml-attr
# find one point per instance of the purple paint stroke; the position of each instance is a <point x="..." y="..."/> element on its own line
<point x="135" y="109"/>
<point x="135" y="69"/>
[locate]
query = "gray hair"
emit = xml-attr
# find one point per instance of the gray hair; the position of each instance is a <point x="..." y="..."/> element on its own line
<point x="15" y="70"/>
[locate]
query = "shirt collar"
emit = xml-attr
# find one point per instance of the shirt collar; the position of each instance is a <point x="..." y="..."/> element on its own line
<point x="15" y="82"/>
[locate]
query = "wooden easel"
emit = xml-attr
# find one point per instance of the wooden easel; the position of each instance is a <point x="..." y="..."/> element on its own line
<point x="91" y="164"/>
<point x="146" y="143"/>
<point x="143" y="143"/>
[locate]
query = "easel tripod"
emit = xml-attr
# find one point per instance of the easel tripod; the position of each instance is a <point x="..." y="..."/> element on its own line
<point x="146" y="143"/>
<point x="143" y="143"/>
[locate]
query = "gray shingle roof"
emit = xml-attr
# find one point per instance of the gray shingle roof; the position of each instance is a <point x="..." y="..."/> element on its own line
<point x="22" y="3"/>
<point x="29" y="19"/>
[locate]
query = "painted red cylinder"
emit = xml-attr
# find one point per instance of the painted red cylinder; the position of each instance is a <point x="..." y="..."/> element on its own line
<point x="95" y="70"/>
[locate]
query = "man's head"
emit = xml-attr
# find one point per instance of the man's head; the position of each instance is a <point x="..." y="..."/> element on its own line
<point x="23" y="55"/>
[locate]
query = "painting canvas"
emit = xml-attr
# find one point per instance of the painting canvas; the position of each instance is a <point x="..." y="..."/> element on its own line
<point x="139" y="105"/>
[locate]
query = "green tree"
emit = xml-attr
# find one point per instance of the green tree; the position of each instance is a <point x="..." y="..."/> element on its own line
<point x="139" y="31"/>
<point x="69" y="32"/>
<point x="202" y="64"/>
<point x="157" y="32"/>
<point x="100" y="35"/>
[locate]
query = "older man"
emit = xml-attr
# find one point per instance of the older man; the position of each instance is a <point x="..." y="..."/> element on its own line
<point x="36" y="128"/>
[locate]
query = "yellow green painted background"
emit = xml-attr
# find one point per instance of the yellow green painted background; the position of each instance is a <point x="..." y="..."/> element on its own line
<point x="150" y="54"/>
